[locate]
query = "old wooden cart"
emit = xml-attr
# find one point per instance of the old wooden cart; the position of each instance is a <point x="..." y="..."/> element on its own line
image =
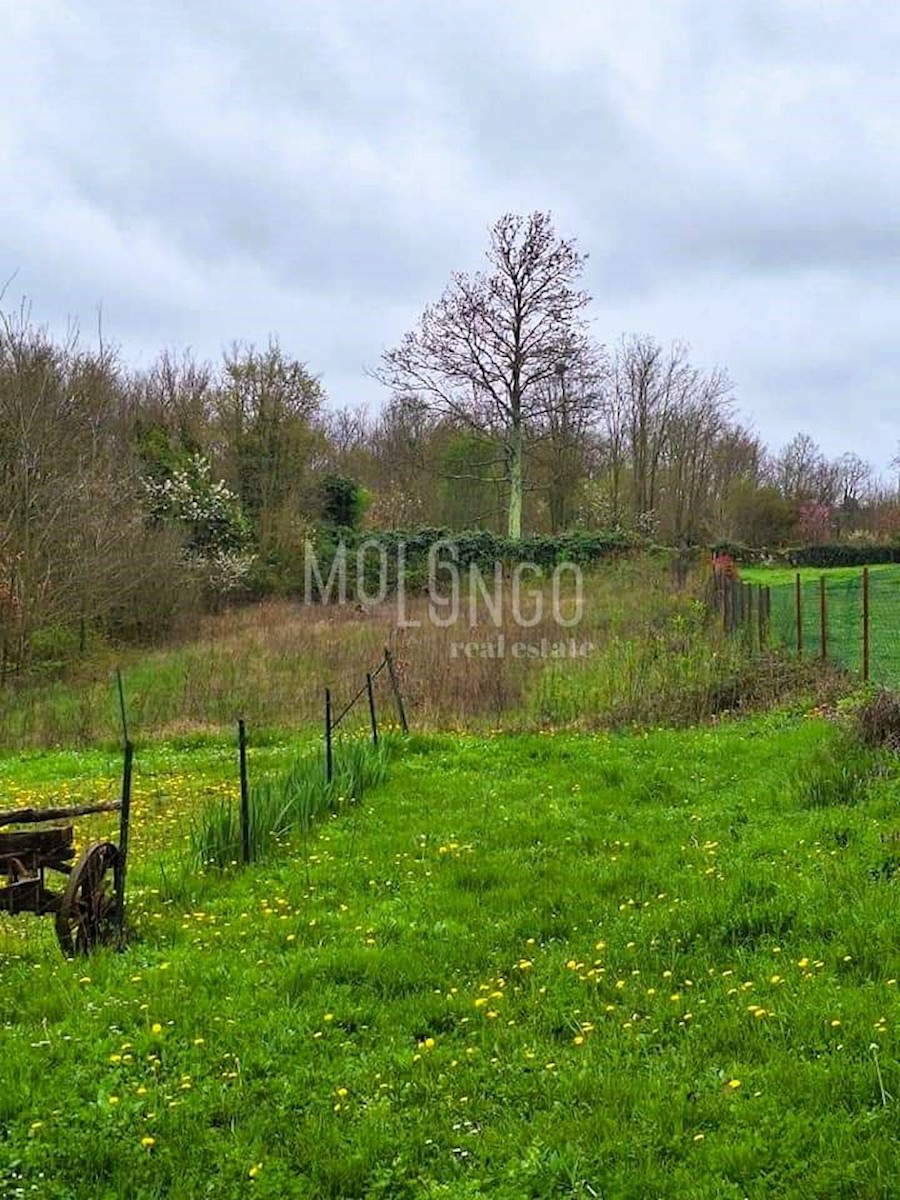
<point x="90" y="910"/>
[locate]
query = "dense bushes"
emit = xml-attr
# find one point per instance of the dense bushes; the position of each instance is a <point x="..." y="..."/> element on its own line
<point x="408" y="551"/>
<point x="842" y="556"/>
<point x="810" y="556"/>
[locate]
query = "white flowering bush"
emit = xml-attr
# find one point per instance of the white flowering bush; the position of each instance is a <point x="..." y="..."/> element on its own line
<point x="217" y="534"/>
<point x="222" y="571"/>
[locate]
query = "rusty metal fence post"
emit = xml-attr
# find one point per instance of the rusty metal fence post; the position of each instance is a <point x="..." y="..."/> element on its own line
<point x="245" y="791"/>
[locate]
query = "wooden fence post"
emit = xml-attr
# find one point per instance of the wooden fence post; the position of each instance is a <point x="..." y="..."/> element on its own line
<point x="761" y="615"/>
<point x="245" y="791"/>
<point x="865" y="619"/>
<point x="799" y="599"/>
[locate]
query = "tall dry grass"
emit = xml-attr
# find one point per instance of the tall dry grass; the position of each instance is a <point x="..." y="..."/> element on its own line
<point x="271" y="662"/>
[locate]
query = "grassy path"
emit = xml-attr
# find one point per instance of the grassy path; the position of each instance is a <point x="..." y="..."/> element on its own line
<point x="527" y="966"/>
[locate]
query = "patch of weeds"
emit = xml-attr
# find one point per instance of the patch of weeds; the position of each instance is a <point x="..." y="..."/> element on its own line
<point x="839" y="773"/>
<point x="878" y="720"/>
<point x="288" y="802"/>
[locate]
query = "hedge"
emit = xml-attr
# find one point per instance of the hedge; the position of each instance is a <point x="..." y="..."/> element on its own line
<point x="810" y="556"/>
<point x="477" y="547"/>
<point x="842" y="556"/>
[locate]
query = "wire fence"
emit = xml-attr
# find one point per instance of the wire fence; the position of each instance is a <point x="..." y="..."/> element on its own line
<point x="853" y="622"/>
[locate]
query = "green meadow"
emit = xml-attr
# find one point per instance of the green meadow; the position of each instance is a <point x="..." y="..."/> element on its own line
<point x="661" y="963"/>
<point x="783" y="576"/>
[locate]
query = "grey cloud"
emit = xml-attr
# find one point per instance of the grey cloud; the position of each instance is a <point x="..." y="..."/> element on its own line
<point x="319" y="169"/>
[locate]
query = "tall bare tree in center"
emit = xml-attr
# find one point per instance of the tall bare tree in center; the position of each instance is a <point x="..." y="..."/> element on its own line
<point x="486" y="351"/>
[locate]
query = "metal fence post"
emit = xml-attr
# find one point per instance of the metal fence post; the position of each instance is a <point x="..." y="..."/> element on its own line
<point x="124" y="822"/>
<point x="372" y="718"/>
<point x="395" y="686"/>
<point x="245" y="791"/>
<point x="329" y="761"/>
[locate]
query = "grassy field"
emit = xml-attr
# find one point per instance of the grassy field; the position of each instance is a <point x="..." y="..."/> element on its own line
<point x="782" y="576"/>
<point x="653" y="658"/>
<point x="659" y="964"/>
<point x="844" y="618"/>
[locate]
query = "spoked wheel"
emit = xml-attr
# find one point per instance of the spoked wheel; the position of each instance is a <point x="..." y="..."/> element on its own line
<point x="88" y="913"/>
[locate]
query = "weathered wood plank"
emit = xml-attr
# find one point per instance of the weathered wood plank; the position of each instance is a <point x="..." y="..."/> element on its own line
<point x="32" y="816"/>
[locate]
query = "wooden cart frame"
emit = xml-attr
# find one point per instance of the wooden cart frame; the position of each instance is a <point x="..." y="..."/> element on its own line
<point x="90" y="910"/>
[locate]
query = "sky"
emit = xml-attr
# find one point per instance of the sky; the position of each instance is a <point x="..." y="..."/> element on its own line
<point x="203" y="172"/>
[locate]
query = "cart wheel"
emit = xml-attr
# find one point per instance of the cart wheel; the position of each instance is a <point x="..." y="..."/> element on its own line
<point x="88" y="912"/>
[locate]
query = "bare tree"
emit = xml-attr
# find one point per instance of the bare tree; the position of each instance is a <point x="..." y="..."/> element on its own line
<point x="175" y="396"/>
<point x="405" y="467"/>
<point x="568" y="449"/>
<point x="736" y="473"/>
<point x="73" y="539"/>
<point x="486" y="351"/>
<point x="854" y="481"/>
<point x="802" y="472"/>
<point x="698" y="426"/>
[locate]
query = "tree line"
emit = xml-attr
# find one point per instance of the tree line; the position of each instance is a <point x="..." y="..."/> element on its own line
<point x="132" y="501"/>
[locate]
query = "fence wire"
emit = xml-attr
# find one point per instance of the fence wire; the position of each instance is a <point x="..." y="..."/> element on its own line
<point x="884" y="627"/>
<point x="844" y="625"/>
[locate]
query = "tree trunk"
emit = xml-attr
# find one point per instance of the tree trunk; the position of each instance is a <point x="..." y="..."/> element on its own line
<point x="514" y="475"/>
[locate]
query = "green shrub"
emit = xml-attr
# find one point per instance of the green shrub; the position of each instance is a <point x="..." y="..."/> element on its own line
<point x="838" y="774"/>
<point x="474" y="547"/>
<point x="343" y="501"/>
<point x="842" y="556"/>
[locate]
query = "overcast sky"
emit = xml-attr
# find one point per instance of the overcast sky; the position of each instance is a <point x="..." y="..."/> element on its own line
<point x="317" y="169"/>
